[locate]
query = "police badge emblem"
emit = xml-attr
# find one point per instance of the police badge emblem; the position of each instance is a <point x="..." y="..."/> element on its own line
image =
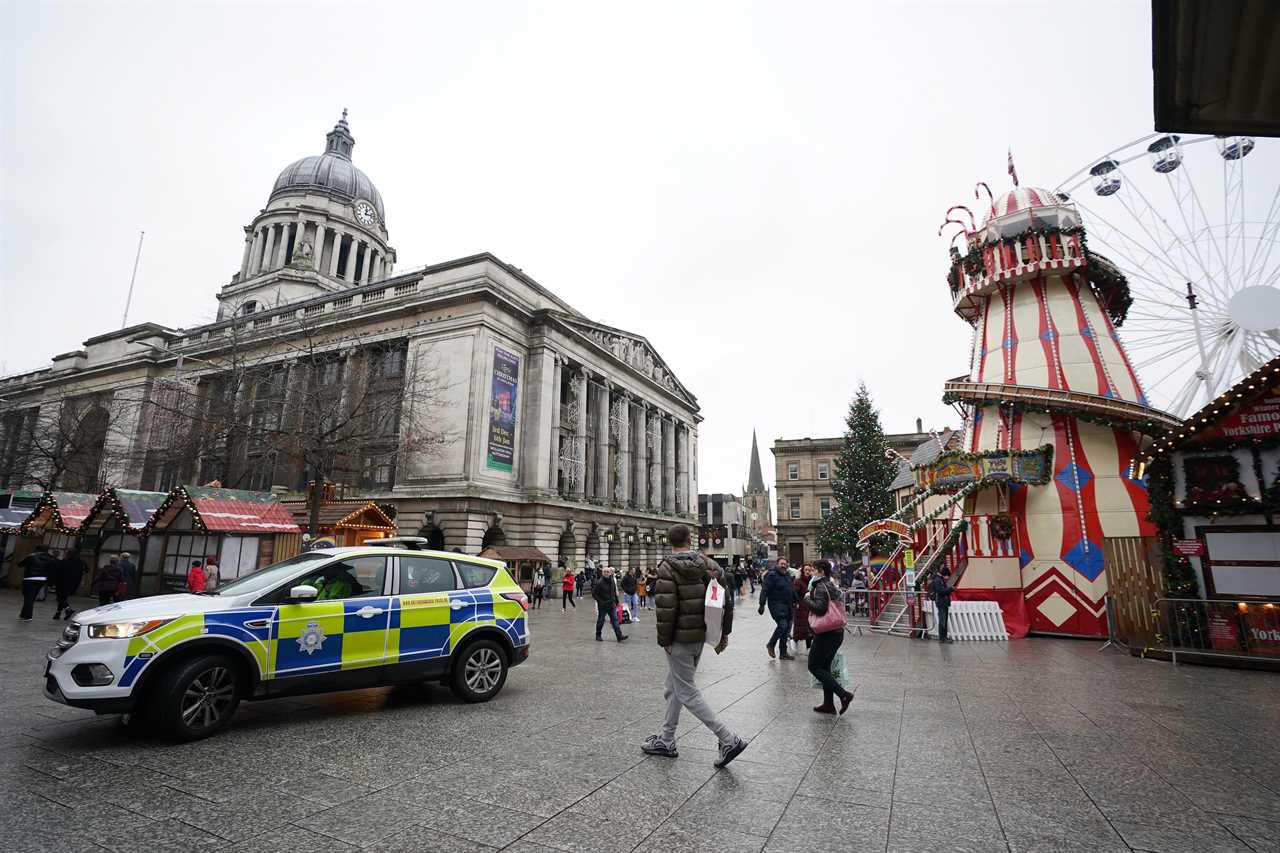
<point x="312" y="639"/>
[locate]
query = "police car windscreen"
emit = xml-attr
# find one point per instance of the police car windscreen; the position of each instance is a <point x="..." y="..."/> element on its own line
<point x="271" y="575"/>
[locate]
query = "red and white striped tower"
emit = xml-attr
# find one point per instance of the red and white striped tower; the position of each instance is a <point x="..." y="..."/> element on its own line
<point x="1048" y="369"/>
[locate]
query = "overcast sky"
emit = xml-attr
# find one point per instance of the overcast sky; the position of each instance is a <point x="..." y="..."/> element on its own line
<point x="755" y="188"/>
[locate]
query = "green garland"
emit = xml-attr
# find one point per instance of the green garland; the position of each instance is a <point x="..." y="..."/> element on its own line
<point x="1180" y="579"/>
<point x="1110" y="285"/>
<point x="1146" y="427"/>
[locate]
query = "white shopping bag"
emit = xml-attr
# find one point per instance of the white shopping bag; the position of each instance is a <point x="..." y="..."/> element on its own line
<point x="713" y="612"/>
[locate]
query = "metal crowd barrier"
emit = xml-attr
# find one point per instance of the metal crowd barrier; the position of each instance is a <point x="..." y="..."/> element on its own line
<point x="1245" y="630"/>
<point x="970" y="620"/>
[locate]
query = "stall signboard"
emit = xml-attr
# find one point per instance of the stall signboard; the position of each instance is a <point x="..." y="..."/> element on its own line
<point x="1189" y="548"/>
<point x="1223" y="631"/>
<point x="1257" y="419"/>
<point x="890" y="526"/>
<point x="502" y="410"/>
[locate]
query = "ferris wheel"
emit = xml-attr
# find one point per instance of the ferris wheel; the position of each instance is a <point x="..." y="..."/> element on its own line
<point x="1193" y="222"/>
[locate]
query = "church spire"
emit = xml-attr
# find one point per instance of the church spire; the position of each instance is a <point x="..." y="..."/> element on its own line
<point x="755" y="480"/>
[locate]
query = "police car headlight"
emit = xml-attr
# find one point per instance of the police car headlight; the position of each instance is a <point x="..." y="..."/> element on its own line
<point x="124" y="630"/>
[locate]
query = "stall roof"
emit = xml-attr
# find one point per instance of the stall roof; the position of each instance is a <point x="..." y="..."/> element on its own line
<point x="507" y="553"/>
<point x="219" y="510"/>
<point x="63" y="511"/>
<point x="16" y="508"/>
<point x="1246" y="413"/>
<point x="133" y="509"/>
<point x="354" y="515"/>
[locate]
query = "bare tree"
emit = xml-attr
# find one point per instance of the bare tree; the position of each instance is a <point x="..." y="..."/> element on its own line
<point x="299" y="408"/>
<point x="66" y="440"/>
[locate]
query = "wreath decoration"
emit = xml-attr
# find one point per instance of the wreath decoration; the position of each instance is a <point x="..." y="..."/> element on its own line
<point x="1002" y="526"/>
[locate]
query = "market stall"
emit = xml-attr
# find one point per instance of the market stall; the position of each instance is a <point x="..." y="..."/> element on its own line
<point x="118" y="522"/>
<point x="241" y="531"/>
<point x="15" y="508"/>
<point x="522" y="561"/>
<point x="344" y="523"/>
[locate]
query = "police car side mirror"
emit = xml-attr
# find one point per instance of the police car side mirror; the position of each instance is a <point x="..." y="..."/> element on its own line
<point x="303" y="592"/>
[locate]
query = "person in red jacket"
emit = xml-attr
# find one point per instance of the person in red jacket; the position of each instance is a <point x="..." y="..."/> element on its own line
<point x="195" y="577"/>
<point x="566" y="587"/>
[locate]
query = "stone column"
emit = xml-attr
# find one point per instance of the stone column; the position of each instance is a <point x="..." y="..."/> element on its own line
<point x="693" y="469"/>
<point x="337" y="253"/>
<point x="580" y="436"/>
<point x="603" y="491"/>
<point x="255" y="256"/>
<point x="641" y="490"/>
<point x="248" y="251"/>
<point x="374" y="257"/>
<point x="682" y="468"/>
<point x="364" y="264"/>
<point x="654" y="436"/>
<point x="623" y="491"/>
<point x="668" y="465"/>
<point x="556" y="369"/>
<point x="349" y="267"/>
<point x="277" y="260"/>
<point x="269" y="250"/>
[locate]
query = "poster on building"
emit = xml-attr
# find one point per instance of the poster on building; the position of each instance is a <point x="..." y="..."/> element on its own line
<point x="502" y="410"/>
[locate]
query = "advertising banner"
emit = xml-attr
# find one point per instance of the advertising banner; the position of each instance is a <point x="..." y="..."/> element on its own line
<point x="502" y="410"/>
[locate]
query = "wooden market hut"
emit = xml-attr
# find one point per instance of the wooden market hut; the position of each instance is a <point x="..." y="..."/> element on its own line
<point x="522" y="561"/>
<point x="242" y="531"/>
<point x="55" y="522"/>
<point x="120" y="521"/>
<point x="344" y="523"/>
<point x="15" y="508"/>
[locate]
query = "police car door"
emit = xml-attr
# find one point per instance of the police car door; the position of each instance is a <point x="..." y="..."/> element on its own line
<point x="418" y="641"/>
<point x="344" y="630"/>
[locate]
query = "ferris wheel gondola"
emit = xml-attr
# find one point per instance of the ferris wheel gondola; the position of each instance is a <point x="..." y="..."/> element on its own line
<point x="1197" y="243"/>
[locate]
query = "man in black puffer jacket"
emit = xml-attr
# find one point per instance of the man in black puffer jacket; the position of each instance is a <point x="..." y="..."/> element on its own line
<point x="605" y="592"/>
<point x="683" y="577"/>
<point x="778" y="594"/>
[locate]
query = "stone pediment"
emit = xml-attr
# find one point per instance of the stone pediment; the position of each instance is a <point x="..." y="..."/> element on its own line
<point x="633" y="351"/>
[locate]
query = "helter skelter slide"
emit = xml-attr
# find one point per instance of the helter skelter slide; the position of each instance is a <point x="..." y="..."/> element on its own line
<point x="1054" y="417"/>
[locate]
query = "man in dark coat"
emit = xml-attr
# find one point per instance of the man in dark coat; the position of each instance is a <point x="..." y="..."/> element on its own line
<point x="778" y="594"/>
<point x="70" y="571"/>
<point x="605" y="592"/>
<point x="940" y="591"/>
<point x="37" y="570"/>
<point x="683" y="577"/>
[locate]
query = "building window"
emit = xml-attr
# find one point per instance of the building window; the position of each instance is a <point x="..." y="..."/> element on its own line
<point x="795" y="507"/>
<point x="824" y="507"/>
<point x="793" y="470"/>
<point x="823" y="471"/>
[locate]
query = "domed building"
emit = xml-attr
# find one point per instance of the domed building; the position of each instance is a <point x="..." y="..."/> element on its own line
<point x="324" y="228"/>
<point x="463" y="397"/>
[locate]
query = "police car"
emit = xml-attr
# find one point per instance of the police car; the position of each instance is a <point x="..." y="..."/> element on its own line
<point x="335" y="619"/>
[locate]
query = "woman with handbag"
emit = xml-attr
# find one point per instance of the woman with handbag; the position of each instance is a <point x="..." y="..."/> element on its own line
<point x="826" y="623"/>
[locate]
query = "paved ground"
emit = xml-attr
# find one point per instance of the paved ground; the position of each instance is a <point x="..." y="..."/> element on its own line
<point x="1040" y="745"/>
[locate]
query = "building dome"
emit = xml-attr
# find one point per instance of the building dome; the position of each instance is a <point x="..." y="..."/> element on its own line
<point x="1022" y="198"/>
<point x="331" y="173"/>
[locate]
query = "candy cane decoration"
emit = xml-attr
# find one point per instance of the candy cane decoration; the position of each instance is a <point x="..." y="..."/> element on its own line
<point x="991" y="199"/>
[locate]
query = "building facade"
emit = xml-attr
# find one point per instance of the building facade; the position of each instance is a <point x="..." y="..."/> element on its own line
<point x="804" y="468"/>
<point x="543" y="427"/>
<point x="724" y="529"/>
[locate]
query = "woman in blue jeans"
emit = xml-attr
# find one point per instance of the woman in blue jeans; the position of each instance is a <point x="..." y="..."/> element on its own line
<point x="824" y="594"/>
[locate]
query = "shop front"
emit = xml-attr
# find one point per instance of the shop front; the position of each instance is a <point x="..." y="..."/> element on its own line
<point x="119" y="522"/>
<point x="344" y="523"/>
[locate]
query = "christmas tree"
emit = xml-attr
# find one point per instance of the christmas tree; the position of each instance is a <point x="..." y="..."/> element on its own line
<point x="860" y="486"/>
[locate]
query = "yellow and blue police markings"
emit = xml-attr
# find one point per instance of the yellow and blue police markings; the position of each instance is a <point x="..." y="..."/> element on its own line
<point x="230" y="623"/>
<point x="327" y="636"/>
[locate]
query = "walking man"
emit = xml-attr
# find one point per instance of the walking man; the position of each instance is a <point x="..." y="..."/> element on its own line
<point x="70" y="569"/>
<point x="37" y="570"/>
<point x="683" y="576"/>
<point x="629" y="586"/>
<point x="940" y="591"/>
<point x="778" y="594"/>
<point x="605" y="592"/>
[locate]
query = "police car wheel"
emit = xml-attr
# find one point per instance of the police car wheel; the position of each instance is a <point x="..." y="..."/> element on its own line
<point x="196" y="698"/>
<point x="480" y="671"/>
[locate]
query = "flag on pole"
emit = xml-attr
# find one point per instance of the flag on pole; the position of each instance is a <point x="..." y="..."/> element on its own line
<point x="1013" y="173"/>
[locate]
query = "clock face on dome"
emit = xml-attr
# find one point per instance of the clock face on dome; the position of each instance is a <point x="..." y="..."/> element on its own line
<point x="364" y="213"/>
